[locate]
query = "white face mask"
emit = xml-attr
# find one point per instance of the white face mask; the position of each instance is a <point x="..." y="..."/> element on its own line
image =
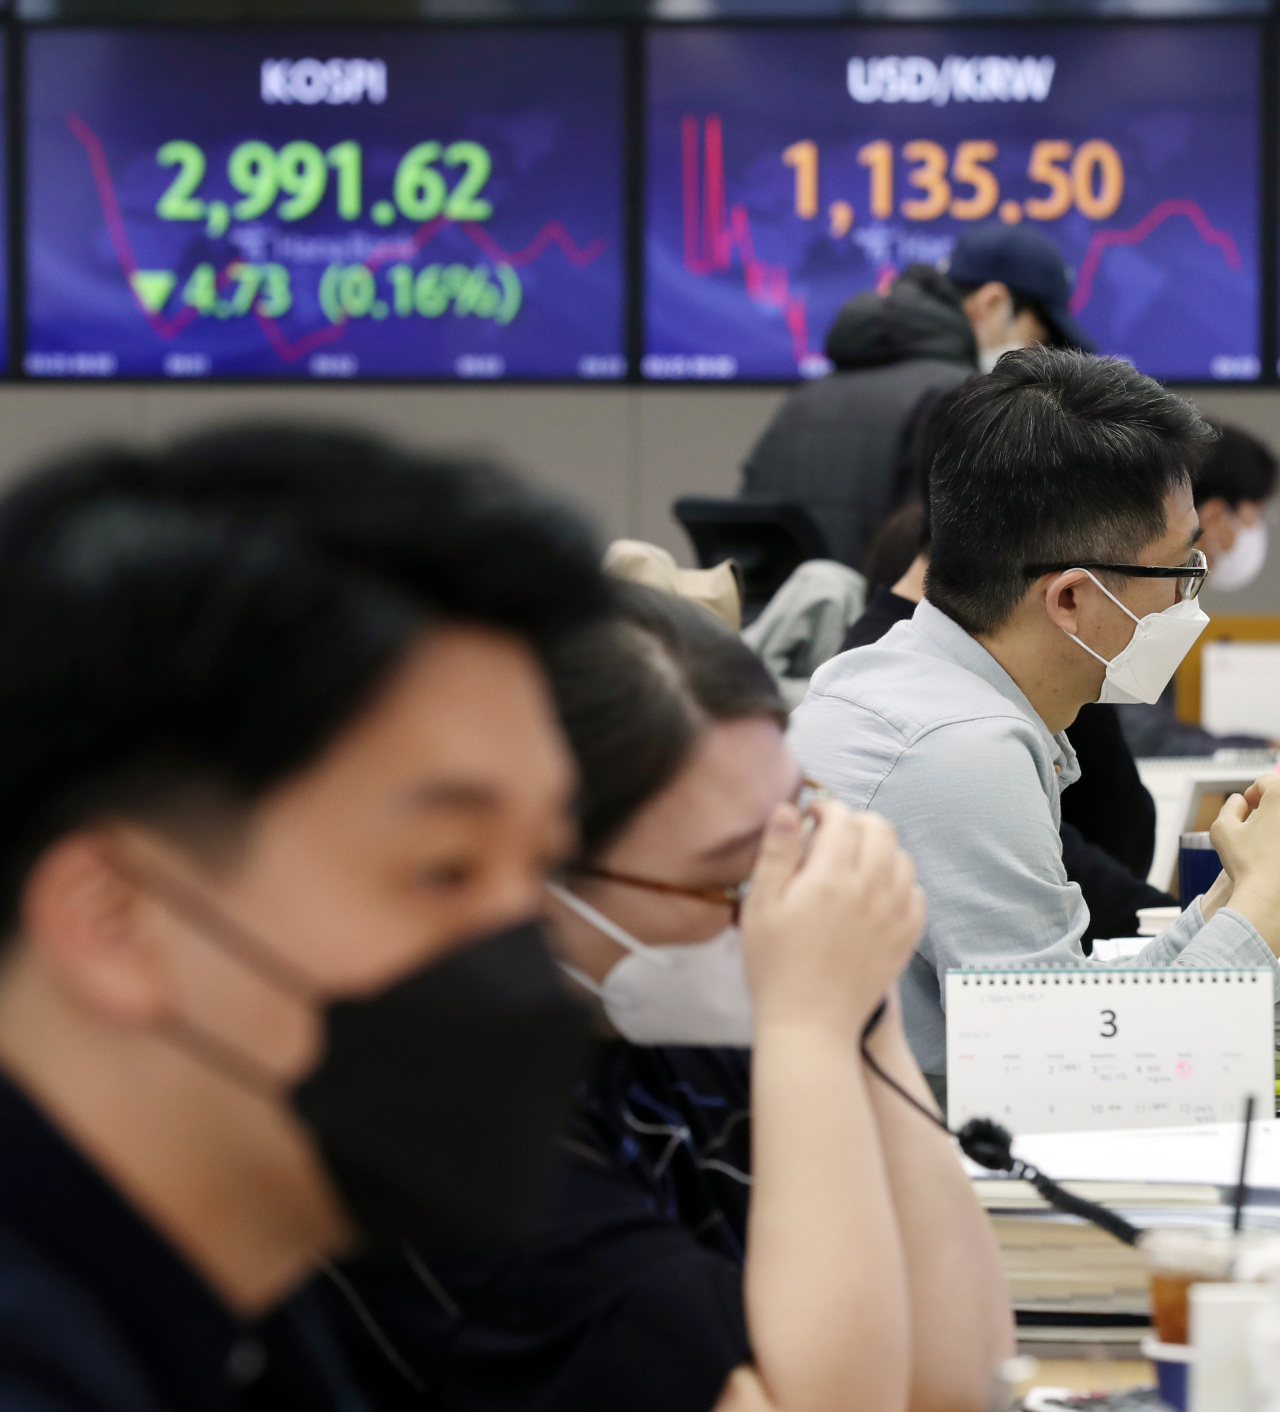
<point x="1142" y="670"/>
<point x="1243" y="562"/>
<point x="989" y="357"/>
<point x="686" y="993"/>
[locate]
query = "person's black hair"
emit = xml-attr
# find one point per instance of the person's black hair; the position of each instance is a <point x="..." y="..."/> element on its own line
<point x="636" y="691"/>
<point x="906" y="532"/>
<point x="1053" y="458"/>
<point x="1240" y="467"/>
<point x="179" y="631"/>
<point x="896" y="544"/>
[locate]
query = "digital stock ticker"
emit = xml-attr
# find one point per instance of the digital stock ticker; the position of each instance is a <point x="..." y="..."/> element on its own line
<point x="455" y="203"/>
<point x="436" y="204"/>
<point x="791" y="168"/>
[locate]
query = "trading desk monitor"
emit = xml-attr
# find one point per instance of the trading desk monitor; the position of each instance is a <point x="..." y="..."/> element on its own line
<point x="325" y="203"/>
<point x="789" y="169"/>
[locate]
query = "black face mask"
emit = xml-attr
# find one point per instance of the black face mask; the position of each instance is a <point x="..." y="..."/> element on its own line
<point x="437" y="1104"/>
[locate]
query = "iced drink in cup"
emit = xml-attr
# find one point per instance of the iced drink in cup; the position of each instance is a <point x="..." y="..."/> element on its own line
<point x="1179" y="1257"/>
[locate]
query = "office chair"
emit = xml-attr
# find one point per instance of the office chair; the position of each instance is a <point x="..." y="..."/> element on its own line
<point x="769" y="538"/>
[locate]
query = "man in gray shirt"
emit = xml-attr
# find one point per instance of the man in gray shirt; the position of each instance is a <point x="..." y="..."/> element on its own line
<point x="1063" y="571"/>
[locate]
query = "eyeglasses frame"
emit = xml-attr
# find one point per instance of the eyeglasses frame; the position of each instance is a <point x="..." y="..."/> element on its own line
<point x="1194" y="572"/>
<point x="731" y="897"/>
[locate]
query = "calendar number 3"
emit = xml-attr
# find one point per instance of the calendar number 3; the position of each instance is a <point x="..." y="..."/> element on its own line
<point x="1108" y="1024"/>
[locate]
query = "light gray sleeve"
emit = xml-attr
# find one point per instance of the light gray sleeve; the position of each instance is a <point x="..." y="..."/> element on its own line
<point x="1228" y="939"/>
<point x="971" y="808"/>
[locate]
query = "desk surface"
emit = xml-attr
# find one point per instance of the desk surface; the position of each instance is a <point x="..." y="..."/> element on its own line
<point x="1093" y="1375"/>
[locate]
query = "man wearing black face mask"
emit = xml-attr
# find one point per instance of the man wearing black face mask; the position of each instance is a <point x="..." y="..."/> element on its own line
<point x="278" y="749"/>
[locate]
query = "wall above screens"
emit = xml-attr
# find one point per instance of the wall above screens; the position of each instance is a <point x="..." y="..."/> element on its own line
<point x="790" y="168"/>
<point x="239" y="203"/>
<point x="462" y="202"/>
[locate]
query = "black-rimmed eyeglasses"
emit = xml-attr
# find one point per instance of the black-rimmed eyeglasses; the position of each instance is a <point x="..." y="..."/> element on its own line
<point x="1190" y="576"/>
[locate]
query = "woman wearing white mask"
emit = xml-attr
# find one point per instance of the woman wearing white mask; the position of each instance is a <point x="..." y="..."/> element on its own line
<point x="1231" y="492"/>
<point x="871" y="1277"/>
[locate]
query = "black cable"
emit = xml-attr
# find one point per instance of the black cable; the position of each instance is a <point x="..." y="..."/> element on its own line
<point x="988" y="1144"/>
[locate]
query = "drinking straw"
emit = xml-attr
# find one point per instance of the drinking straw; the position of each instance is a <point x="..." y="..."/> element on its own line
<point x="1242" y="1191"/>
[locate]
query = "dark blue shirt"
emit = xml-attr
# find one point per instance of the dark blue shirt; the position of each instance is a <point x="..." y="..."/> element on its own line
<point x="629" y="1295"/>
<point x="98" y="1313"/>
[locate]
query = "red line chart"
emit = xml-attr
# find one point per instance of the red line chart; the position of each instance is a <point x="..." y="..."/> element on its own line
<point x="711" y="236"/>
<point x="553" y="233"/>
<point x="1103" y="240"/>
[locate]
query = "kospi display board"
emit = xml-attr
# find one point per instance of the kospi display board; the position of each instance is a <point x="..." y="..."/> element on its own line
<point x="327" y="203"/>
<point x="789" y="169"/>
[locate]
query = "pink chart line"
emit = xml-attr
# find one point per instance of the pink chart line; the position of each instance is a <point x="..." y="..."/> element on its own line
<point x="1103" y="240"/>
<point x="553" y="233"/>
<point x="709" y="241"/>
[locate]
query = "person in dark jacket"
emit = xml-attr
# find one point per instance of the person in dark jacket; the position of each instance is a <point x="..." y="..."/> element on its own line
<point x="840" y="446"/>
<point x="835" y="446"/>
<point x="281" y="776"/>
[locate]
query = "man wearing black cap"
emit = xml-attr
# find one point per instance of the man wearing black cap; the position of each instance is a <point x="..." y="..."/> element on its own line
<point x="842" y="446"/>
<point x="1015" y="290"/>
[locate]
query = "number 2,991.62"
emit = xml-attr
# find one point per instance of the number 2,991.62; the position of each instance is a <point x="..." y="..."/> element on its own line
<point x="297" y="177"/>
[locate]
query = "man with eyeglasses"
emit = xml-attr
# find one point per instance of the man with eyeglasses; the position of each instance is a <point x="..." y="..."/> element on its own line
<point x="1063" y="571"/>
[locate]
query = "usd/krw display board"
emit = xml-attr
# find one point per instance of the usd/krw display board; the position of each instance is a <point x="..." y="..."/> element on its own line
<point x="789" y="169"/>
<point x="325" y="203"/>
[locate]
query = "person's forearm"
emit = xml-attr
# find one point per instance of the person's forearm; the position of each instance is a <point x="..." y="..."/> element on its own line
<point x="961" y="1323"/>
<point x="826" y="1296"/>
<point x="1258" y="902"/>
<point x="1219" y="895"/>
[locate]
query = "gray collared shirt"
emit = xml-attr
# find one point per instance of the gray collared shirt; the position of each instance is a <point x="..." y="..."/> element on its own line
<point x="928" y="729"/>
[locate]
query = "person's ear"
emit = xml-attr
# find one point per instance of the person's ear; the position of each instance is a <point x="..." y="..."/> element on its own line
<point x="1061" y="599"/>
<point x="94" y="931"/>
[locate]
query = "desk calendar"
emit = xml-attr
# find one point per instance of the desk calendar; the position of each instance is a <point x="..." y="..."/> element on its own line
<point x="1063" y="1050"/>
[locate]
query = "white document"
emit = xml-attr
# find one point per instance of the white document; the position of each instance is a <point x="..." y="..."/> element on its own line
<point x="1177" y="784"/>
<point x="1119" y="948"/>
<point x="1074" y="1049"/>
<point x="1240" y="688"/>
<point x="1202" y="1156"/>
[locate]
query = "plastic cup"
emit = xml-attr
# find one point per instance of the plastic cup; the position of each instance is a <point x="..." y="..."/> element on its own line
<point x="1198" y="866"/>
<point x="1177" y="1258"/>
<point x="1172" y="1362"/>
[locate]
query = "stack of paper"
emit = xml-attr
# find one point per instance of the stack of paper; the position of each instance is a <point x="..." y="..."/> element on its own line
<point x="1062" y="1269"/>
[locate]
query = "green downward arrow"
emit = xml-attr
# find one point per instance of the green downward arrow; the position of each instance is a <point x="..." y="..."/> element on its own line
<point x="153" y="287"/>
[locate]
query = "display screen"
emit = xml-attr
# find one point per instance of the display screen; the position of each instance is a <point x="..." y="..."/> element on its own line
<point x="789" y="169"/>
<point x="4" y="207"/>
<point x="325" y="203"/>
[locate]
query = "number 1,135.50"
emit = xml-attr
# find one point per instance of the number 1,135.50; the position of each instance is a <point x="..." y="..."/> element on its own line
<point x="1089" y="178"/>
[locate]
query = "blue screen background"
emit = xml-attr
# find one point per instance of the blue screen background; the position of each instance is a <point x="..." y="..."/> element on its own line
<point x="4" y="209"/>
<point x="737" y="284"/>
<point x="547" y="107"/>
